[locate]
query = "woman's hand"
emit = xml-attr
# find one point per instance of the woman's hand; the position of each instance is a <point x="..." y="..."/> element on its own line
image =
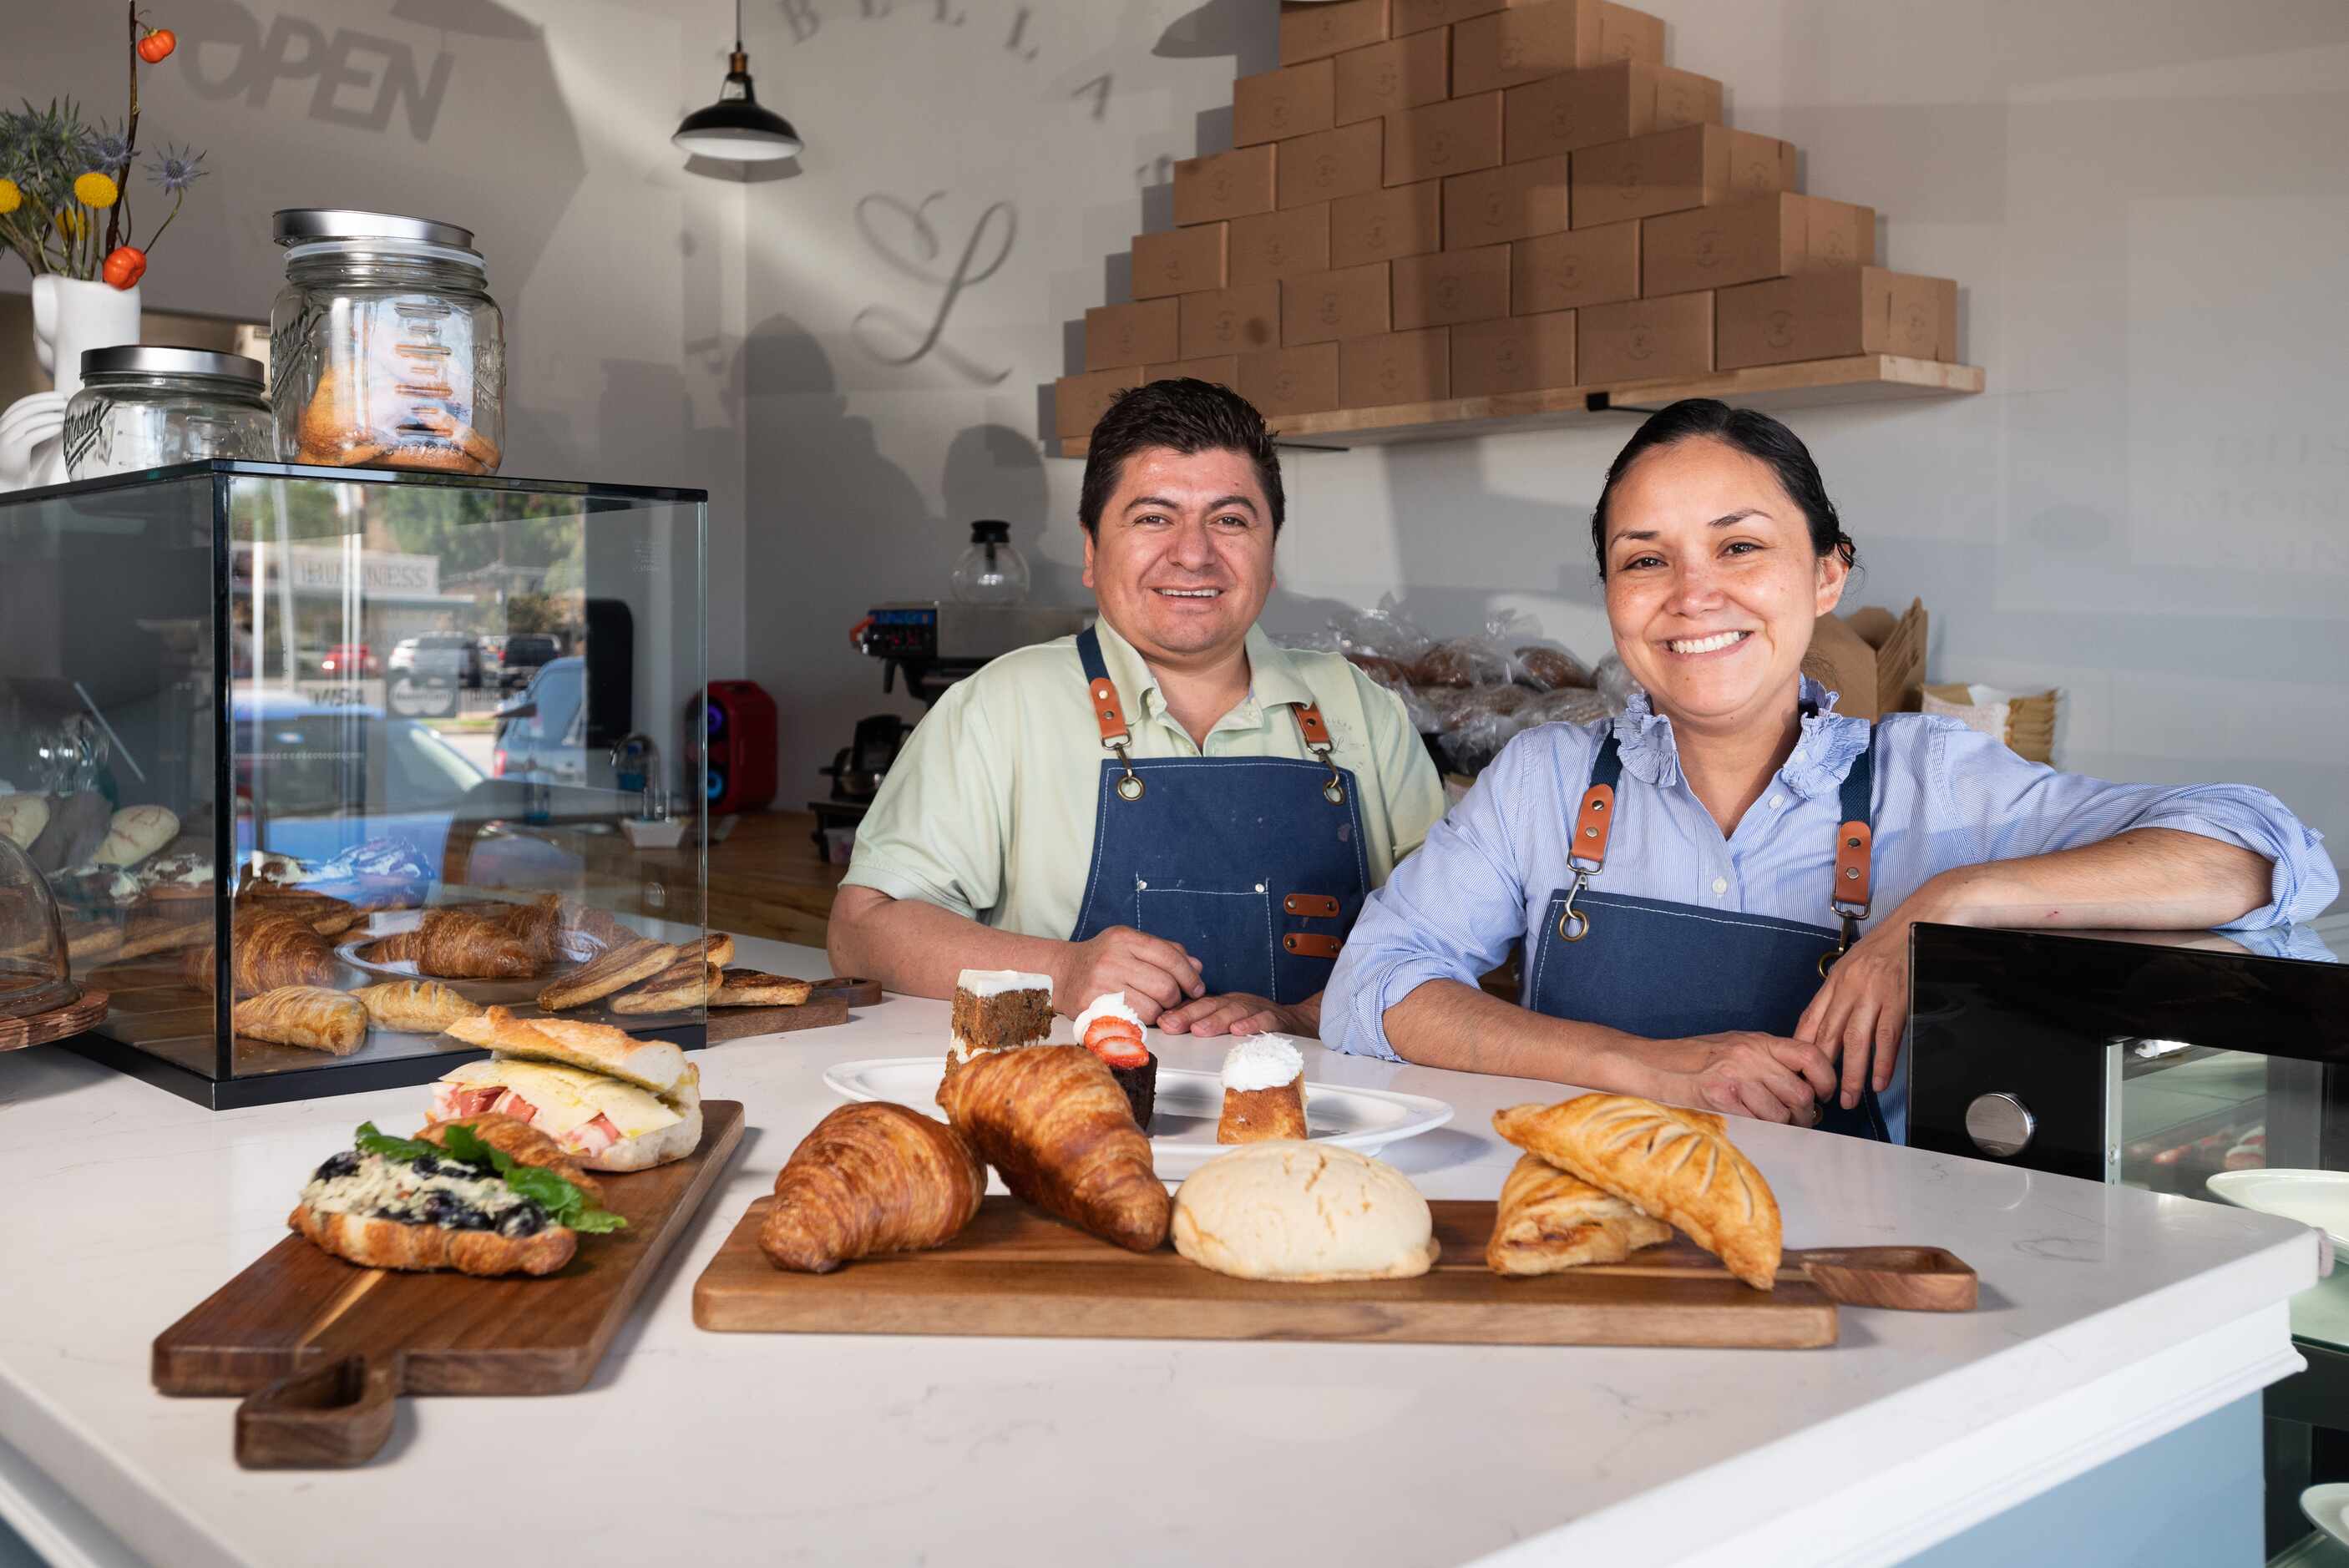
<point x="1860" y="1013"/>
<point x="1742" y="1074"/>
<point x="1237" y="1012"/>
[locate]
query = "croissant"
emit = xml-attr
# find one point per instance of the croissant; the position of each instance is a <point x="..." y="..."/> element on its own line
<point x="870" y="1178"/>
<point x="400" y="945"/>
<point x="525" y="1144"/>
<point x="326" y="914"/>
<point x="1054" y="1122"/>
<point x="456" y="945"/>
<point x="310" y="1016"/>
<point x="1667" y="1163"/>
<point x="538" y="926"/>
<point x="1550" y="1221"/>
<point x="266" y="949"/>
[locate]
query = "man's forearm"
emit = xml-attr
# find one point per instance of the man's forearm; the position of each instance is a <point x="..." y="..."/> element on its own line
<point x="1448" y="1024"/>
<point x="917" y="949"/>
<point x="2153" y="879"/>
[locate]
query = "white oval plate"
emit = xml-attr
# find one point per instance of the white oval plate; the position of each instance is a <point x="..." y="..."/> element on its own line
<point x="1184" y="1117"/>
<point x="2327" y="1506"/>
<point x="2319" y="1197"/>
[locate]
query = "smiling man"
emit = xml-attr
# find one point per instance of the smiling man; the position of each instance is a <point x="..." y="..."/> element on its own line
<point x="1167" y="804"/>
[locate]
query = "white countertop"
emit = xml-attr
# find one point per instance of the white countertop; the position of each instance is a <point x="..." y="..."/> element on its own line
<point x="2109" y="1316"/>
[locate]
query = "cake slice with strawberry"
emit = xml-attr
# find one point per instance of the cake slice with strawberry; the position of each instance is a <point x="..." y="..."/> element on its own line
<point x="1112" y="1030"/>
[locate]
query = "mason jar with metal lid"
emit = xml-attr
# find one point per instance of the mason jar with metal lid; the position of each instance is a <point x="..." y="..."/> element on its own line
<point x="142" y="407"/>
<point x="386" y="349"/>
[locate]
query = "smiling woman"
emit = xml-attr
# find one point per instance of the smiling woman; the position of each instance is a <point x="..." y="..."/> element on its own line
<point x="1668" y="869"/>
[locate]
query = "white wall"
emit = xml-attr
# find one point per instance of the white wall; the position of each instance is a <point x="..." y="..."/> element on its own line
<point x="542" y="125"/>
<point x="2144" y="204"/>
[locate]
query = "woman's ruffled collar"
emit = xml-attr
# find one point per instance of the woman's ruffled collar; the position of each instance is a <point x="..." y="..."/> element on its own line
<point x="1823" y="754"/>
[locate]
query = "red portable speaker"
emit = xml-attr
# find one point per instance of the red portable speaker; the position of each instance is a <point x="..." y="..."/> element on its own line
<point x="736" y="730"/>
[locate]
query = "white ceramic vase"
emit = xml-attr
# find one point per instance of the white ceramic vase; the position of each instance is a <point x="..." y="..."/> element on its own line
<point x="68" y="316"/>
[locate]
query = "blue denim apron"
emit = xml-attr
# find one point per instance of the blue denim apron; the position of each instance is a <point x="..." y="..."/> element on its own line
<point x="1668" y="970"/>
<point x="1254" y="864"/>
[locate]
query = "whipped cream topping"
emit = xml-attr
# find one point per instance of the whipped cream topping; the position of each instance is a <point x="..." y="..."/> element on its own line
<point x="187" y="868"/>
<point x="995" y="982"/>
<point x="1108" y="1004"/>
<point x="1263" y="1061"/>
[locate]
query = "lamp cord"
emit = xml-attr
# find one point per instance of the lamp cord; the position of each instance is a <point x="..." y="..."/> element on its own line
<point x="737" y="26"/>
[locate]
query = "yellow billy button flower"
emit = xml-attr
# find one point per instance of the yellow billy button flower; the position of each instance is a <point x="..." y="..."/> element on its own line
<point x="10" y="197"/>
<point x="72" y="223"/>
<point x="96" y="190"/>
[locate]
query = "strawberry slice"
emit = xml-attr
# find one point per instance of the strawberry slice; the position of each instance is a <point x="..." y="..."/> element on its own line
<point x="1117" y="1042"/>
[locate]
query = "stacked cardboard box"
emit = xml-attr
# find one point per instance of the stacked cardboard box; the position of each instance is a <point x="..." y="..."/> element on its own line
<point x="1458" y="199"/>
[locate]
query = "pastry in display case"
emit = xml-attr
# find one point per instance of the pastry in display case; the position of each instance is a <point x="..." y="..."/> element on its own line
<point x="289" y="816"/>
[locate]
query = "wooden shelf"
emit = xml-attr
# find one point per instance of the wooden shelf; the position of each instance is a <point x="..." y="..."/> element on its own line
<point x="1866" y="378"/>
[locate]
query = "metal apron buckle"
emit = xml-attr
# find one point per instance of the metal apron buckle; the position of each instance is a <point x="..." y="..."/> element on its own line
<point x="1333" y="789"/>
<point x="1128" y="788"/>
<point x="1568" y="930"/>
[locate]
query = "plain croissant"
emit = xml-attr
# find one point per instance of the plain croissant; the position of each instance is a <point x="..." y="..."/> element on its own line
<point x="872" y="1177"/>
<point x="456" y="945"/>
<point x="1053" y="1122"/>
<point x="267" y="950"/>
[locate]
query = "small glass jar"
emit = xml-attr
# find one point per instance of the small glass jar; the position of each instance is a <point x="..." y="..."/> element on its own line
<point x="992" y="571"/>
<point x="142" y="407"/>
<point x="386" y="349"/>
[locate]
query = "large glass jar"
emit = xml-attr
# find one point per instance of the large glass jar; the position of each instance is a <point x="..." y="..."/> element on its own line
<point x="386" y="349"/>
<point x="142" y="407"/>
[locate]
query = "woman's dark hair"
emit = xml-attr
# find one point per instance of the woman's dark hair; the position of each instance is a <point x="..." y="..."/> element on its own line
<point x="1749" y="431"/>
<point x="1189" y="417"/>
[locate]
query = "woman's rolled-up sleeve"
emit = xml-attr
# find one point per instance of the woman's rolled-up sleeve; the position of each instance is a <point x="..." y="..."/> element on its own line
<point x="1448" y="913"/>
<point x="2021" y="809"/>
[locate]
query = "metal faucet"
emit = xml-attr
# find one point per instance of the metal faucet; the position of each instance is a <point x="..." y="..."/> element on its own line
<point x="636" y="765"/>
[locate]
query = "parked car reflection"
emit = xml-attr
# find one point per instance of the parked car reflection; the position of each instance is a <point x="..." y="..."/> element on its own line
<point x="314" y="780"/>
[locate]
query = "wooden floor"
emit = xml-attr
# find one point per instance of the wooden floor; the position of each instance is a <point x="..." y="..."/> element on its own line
<point x="767" y="879"/>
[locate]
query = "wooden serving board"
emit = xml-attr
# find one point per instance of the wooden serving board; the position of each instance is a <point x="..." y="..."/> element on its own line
<point x="742" y="1022"/>
<point x="1016" y="1272"/>
<point x="300" y="1315"/>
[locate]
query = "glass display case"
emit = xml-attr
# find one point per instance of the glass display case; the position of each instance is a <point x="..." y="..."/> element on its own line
<point x="2209" y="1065"/>
<point x="265" y="725"/>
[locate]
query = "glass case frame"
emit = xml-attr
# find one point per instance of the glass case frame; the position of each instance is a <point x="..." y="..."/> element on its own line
<point x="575" y="808"/>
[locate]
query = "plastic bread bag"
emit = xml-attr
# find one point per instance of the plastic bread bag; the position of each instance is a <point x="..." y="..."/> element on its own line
<point x="1573" y="705"/>
<point x="1384" y="642"/>
<point x="1478" y="735"/>
<point x="1614" y="683"/>
<point x="1483" y="660"/>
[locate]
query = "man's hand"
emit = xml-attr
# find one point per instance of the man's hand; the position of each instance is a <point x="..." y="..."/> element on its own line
<point x="1237" y="1012"/>
<point x="1154" y="973"/>
<point x="1742" y="1074"/>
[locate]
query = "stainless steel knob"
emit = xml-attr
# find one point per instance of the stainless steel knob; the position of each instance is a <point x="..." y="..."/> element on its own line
<point x="2000" y="1124"/>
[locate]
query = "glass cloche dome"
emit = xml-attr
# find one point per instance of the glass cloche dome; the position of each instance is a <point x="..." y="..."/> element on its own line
<point x="33" y="976"/>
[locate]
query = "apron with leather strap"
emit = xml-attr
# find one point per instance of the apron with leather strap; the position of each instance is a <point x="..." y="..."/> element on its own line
<point x="1668" y="970"/>
<point x="1254" y="864"/>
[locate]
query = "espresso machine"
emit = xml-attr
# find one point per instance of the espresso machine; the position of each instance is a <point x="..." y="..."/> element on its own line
<point x="930" y="644"/>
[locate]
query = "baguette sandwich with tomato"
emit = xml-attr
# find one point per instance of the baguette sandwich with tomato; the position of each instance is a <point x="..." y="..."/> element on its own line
<point x="614" y="1102"/>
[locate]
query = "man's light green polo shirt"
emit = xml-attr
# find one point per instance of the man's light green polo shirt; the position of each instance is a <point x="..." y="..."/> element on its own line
<point x="990" y="808"/>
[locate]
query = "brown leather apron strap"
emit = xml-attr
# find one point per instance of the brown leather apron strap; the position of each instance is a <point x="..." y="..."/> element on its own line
<point x="1855" y="869"/>
<point x="1592" y="825"/>
<point x="1109" y="713"/>
<point x="1311" y="944"/>
<point x="1317" y="734"/>
<point x="1312" y="905"/>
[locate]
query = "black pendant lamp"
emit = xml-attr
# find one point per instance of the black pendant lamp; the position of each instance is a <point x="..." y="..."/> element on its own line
<point x="735" y="128"/>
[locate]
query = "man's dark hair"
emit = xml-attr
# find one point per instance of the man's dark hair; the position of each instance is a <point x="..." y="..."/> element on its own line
<point x="1187" y="417"/>
<point x="1749" y="431"/>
